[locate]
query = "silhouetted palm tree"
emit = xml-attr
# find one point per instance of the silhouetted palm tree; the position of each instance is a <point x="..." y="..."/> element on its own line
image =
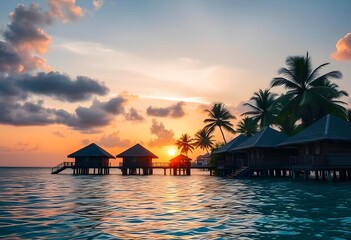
<point x="217" y="146"/>
<point x="246" y="126"/>
<point x="219" y="117"/>
<point x="203" y="140"/>
<point x="185" y="144"/>
<point x="263" y="108"/>
<point x="308" y="91"/>
<point x="333" y="96"/>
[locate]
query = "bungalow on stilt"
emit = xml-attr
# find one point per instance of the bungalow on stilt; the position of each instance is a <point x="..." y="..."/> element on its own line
<point x="227" y="162"/>
<point x="263" y="157"/>
<point x="180" y="164"/>
<point x="323" y="148"/>
<point x="91" y="157"/>
<point x="135" y="159"/>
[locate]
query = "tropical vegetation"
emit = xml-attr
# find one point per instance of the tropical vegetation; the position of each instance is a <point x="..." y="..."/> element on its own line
<point x="204" y="140"/>
<point x="246" y="126"/>
<point x="310" y="95"/>
<point x="185" y="144"/>
<point x="263" y="108"/>
<point x="219" y="116"/>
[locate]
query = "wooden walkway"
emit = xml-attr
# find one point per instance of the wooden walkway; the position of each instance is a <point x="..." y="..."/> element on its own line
<point x="156" y="165"/>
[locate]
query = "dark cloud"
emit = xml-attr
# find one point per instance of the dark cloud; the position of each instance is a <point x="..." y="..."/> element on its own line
<point x="25" y="37"/>
<point x="114" y="105"/>
<point x="61" y="86"/>
<point x="25" y="40"/>
<point x="163" y="136"/>
<point x="10" y="61"/>
<point x="99" y="114"/>
<point x="174" y="111"/>
<point x="85" y="119"/>
<point x="52" y="84"/>
<point x="113" y="140"/>
<point x="26" y="114"/>
<point x="133" y="115"/>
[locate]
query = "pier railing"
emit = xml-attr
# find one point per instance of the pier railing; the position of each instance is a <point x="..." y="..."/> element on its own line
<point x="160" y="164"/>
<point x="325" y="160"/>
<point x="62" y="166"/>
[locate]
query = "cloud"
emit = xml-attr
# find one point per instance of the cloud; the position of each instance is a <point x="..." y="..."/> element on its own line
<point x="58" y="134"/>
<point x="99" y="114"/>
<point x="61" y="86"/>
<point x="343" y="49"/>
<point x="25" y="114"/>
<point x="163" y="136"/>
<point x="98" y="3"/>
<point x="85" y="141"/>
<point x="174" y="111"/>
<point x="85" y="119"/>
<point x="113" y="140"/>
<point x="65" y="10"/>
<point x="10" y="61"/>
<point x="25" y="38"/>
<point x="53" y="84"/>
<point x="133" y="115"/>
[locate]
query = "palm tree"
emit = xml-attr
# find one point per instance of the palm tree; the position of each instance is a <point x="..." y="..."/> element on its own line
<point x="333" y="96"/>
<point x="203" y="140"/>
<point x="263" y="108"/>
<point x="290" y="128"/>
<point x="185" y="144"/>
<point x="219" y="117"/>
<point x="308" y="91"/>
<point x="246" y="126"/>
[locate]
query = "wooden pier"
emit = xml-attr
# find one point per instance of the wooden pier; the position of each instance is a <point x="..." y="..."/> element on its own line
<point x="166" y="166"/>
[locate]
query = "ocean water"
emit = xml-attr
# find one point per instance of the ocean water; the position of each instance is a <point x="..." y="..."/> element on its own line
<point x="37" y="205"/>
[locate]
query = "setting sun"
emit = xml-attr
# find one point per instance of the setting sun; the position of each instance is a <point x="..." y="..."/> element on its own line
<point x="171" y="152"/>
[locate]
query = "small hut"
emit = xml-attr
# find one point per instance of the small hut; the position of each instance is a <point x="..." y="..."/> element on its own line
<point x="180" y="164"/>
<point x="136" y="158"/>
<point x="91" y="157"/>
<point x="323" y="147"/>
<point x="227" y="161"/>
<point x="263" y="155"/>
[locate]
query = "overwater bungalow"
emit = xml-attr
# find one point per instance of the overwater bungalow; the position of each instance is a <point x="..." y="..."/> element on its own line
<point x="136" y="158"/>
<point x="91" y="157"/>
<point x="180" y="164"/>
<point x="262" y="155"/>
<point x="324" y="147"/>
<point x="227" y="162"/>
<point x="202" y="160"/>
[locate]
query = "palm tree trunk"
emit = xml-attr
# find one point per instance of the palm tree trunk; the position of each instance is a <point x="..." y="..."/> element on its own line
<point x="225" y="142"/>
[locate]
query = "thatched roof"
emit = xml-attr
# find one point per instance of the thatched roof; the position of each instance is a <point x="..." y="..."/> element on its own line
<point x="92" y="150"/>
<point x="180" y="157"/>
<point x="136" y="151"/>
<point x="327" y="128"/>
<point x="266" y="138"/>
<point x="231" y="144"/>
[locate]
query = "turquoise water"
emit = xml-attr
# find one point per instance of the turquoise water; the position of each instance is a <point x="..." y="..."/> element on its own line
<point x="37" y="205"/>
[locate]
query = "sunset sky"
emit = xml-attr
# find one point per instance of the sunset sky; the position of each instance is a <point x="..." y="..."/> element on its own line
<point x="119" y="72"/>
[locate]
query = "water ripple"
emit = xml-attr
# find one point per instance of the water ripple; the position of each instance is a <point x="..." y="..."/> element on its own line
<point x="37" y="205"/>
